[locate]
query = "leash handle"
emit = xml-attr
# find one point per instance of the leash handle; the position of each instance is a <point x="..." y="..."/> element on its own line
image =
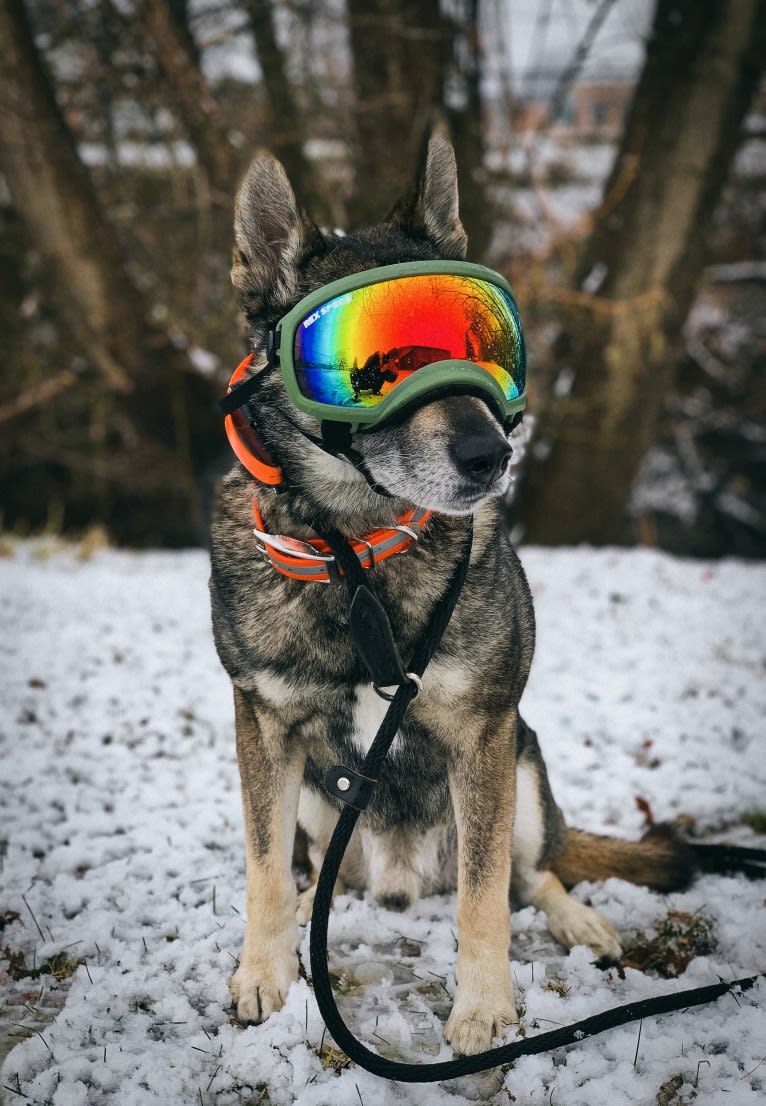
<point x="469" y="1065"/>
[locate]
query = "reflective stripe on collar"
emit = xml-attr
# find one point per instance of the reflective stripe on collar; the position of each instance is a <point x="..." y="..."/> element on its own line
<point x="302" y="560"/>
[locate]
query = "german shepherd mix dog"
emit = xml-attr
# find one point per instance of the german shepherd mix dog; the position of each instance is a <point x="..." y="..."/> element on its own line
<point x="464" y="800"/>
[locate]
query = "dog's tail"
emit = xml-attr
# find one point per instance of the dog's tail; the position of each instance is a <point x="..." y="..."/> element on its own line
<point x="662" y="859"/>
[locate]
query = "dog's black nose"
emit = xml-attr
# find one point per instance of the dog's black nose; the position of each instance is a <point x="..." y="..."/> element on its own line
<point x="482" y="457"/>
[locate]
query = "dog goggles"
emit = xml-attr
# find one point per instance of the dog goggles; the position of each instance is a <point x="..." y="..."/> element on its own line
<point x="362" y="348"/>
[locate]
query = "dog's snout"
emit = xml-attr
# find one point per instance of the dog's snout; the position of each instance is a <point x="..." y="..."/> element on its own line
<point x="482" y="457"/>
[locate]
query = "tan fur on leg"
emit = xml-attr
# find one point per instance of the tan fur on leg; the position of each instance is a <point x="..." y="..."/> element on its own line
<point x="483" y="790"/>
<point x="270" y="786"/>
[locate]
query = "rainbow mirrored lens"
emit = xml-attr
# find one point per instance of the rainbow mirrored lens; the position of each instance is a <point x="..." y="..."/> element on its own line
<point x="352" y="350"/>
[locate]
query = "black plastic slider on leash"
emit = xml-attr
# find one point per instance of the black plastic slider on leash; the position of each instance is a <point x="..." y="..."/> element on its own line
<point x="350" y="787"/>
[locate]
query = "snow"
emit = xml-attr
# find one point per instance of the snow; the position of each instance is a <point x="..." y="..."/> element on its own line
<point x="121" y="811"/>
<point x="144" y="155"/>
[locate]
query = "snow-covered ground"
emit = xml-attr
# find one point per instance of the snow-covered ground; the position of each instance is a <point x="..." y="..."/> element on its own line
<point x="121" y="846"/>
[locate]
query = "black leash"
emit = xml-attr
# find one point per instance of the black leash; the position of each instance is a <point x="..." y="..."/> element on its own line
<point x="374" y="641"/>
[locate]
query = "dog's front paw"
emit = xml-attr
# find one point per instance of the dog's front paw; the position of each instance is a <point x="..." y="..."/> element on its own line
<point x="259" y="989"/>
<point x="474" y="1022"/>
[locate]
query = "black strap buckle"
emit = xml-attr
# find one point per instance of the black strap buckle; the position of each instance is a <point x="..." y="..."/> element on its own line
<point x="350" y="787"/>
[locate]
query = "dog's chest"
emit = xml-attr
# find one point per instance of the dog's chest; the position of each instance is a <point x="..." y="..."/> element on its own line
<point x="367" y="714"/>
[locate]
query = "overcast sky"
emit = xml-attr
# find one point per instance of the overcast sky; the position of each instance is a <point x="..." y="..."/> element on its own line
<point x="521" y="39"/>
<point x="542" y="36"/>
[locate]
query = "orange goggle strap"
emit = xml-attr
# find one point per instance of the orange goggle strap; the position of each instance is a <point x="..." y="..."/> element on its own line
<point x="301" y="560"/>
<point x="246" y="444"/>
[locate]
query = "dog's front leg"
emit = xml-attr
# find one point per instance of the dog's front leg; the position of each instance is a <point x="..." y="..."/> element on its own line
<point x="271" y="774"/>
<point x="483" y="795"/>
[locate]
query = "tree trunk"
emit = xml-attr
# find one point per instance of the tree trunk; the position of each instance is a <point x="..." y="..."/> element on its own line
<point x="286" y="133"/>
<point x="465" y="114"/>
<point x="193" y="99"/>
<point x="399" y="53"/>
<point x="641" y="266"/>
<point x="411" y="60"/>
<point x="162" y="426"/>
<point x="179" y="11"/>
<point x="55" y="199"/>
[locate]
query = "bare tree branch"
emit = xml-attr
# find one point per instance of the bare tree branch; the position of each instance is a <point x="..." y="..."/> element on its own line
<point x="40" y="394"/>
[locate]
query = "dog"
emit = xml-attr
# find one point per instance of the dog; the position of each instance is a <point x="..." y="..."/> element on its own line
<point x="372" y="375"/>
<point x="464" y="801"/>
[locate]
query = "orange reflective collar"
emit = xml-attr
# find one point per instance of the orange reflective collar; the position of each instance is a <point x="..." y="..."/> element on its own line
<point x="246" y="444"/>
<point x="302" y="560"/>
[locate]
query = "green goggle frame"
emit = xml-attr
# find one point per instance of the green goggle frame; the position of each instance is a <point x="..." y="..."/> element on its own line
<point x="363" y="349"/>
<point x="490" y="296"/>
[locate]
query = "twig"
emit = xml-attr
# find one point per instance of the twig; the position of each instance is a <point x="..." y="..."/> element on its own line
<point x="749" y="1073"/>
<point x="697" y="1076"/>
<point x="34" y="919"/>
<point x="114" y="374"/>
<point x="37" y="1032"/>
<point x="14" y="1091"/>
<point x="569" y="75"/>
<point x="638" y="1042"/>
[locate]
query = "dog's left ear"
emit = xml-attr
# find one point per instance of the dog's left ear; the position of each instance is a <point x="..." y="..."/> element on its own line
<point x="272" y="235"/>
<point x="430" y="208"/>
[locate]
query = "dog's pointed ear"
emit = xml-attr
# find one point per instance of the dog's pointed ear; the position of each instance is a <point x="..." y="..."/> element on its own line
<point x="430" y="208"/>
<point x="272" y="235"/>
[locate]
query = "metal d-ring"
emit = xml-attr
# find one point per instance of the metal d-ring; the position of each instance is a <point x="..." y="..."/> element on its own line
<point x="413" y="679"/>
<point x="417" y="681"/>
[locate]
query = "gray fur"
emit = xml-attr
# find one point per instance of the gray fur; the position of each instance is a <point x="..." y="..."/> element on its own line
<point x="431" y="208"/>
<point x="272" y="237"/>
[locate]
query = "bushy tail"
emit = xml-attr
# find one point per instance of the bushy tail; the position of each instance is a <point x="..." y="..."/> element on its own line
<point x="662" y="859"/>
